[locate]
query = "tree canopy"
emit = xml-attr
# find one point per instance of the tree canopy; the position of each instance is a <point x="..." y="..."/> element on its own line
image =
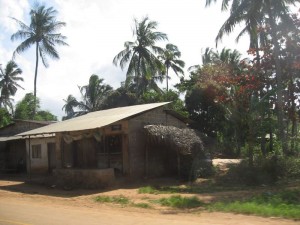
<point x="41" y="32"/>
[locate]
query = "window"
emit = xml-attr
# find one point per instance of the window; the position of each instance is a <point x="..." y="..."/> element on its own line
<point x="36" y="151"/>
<point x="114" y="144"/>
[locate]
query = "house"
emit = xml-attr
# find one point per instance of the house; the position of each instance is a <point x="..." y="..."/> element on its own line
<point x="13" y="148"/>
<point x="103" y="144"/>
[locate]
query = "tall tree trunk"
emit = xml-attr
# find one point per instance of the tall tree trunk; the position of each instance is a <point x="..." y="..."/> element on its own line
<point x="138" y="76"/>
<point x="262" y="113"/>
<point x="167" y="78"/>
<point x="279" y="80"/>
<point x="35" y="77"/>
<point x="293" y="114"/>
<point x="251" y="144"/>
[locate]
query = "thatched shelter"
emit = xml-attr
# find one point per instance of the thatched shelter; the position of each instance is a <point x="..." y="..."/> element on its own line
<point x="175" y="150"/>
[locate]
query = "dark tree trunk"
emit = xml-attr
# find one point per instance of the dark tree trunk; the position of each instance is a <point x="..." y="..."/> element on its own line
<point x="35" y="78"/>
<point x="279" y="81"/>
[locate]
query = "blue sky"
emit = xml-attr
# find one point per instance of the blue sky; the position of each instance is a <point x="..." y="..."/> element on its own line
<point x="97" y="30"/>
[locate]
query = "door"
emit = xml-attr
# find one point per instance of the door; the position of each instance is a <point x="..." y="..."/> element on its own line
<point x="51" y="157"/>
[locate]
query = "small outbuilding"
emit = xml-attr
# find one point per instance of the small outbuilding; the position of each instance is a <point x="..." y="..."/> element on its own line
<point x="171" y="150"/>
<point x="13" y="148"/>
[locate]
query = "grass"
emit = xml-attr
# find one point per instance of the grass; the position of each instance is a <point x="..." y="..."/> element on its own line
<point x="122" y="200"/>
<point x="148" y="190"/>
<point x="284" y="204"/>
<point x="142" y="205"/>
<point x="186" y="189"/>
<point x="177" y="201"/>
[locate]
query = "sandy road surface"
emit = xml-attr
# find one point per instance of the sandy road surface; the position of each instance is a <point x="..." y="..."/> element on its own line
<point x="23" y="204"/>
<point x="28" y="212"/>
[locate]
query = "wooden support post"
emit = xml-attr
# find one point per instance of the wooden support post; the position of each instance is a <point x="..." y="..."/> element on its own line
<point x="178" y="165"/>
<point x="29" y="161"/>
<point x="147" y="158"/>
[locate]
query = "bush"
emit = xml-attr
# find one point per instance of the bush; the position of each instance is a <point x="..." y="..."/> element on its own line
<point x="113" y="199"/>
<point x="265" y="170"/>
<point x="280" y="204"/>
<point x="177" y="201"/>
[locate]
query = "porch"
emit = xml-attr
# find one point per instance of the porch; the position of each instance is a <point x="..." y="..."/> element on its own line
<point x="86" y="178"/>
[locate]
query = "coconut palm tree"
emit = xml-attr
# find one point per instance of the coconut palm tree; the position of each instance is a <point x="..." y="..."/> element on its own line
<point x="43" y="33"/>
<point x="93" y="98"/>
<point x="170" y="58"/>
<point x="269" y="12"/>
<point x="93" y="94"/>
<point x="9" y="78"/>
<point x="70" y="103"/>
<point x="140" y="55"/>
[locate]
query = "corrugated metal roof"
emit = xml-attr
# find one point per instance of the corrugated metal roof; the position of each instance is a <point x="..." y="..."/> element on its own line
<point x="11" y="138"/>
<point x="94" y="119"/>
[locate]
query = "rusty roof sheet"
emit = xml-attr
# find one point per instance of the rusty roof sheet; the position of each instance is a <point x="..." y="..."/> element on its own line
<point x="94" y="120"/>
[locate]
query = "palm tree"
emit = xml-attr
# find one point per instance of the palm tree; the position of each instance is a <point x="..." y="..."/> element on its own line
<point x="227" y="56"/>
<point x="93" y="94"/>
<point x="242" y="11"/>
<point x="70" y="103"/>
<point x="170" y="58"/>
<point x="9" y="83"/>
<point x="140" y="56"/>
<point x="93" y="98"/>
<point x="43" y="33"/>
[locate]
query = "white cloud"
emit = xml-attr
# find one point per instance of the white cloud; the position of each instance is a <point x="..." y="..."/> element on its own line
<point x="96" y="31"/>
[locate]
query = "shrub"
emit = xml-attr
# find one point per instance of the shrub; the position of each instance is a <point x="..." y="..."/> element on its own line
<point x="266" y="170"/>
<point x="177" y="201"/>
<point x="281" y="204"/>
<point x="120" y="199"/>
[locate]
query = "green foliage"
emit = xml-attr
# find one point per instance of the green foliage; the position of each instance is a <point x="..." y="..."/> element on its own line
<point x="284" y="204"/>
<point x="168" y="96"/>
<point x="140" y="56"/>
<point x="93" y="98"/>
<point x="25" y="110"/>
<point x="119" y="98"/>
<point x="45" y="116"/>
<point x="9" y="78"/>
<point x="177" y="201"/>
<point x="141" y="205"/>
<point x="208" y="187"/>
<point x="267" y="170"/>
<point x="202" y="108"/>
<point x="26" y="107"/>
<point x="148" y="190"/>
<point x="170" y="57"/>
<point x="5" y="117"/>
<point x="43" y="33"/>
<point x="122" y="200"/>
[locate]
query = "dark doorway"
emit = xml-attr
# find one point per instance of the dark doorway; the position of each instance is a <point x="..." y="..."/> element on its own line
<point x="84" y="153"/>
<point x="51" y="157"/>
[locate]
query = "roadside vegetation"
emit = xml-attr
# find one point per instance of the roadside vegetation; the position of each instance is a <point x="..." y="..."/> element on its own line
<point x="285" y="203"/>
<point x="266" y="201"/>
<point x="121" y="200"/>
<point x="262" y="192"/>
<point x="177" y="201"/>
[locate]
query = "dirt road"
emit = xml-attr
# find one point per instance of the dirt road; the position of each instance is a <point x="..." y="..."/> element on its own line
<point x="22" y="204"/>
<point x="25" y="212"/>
